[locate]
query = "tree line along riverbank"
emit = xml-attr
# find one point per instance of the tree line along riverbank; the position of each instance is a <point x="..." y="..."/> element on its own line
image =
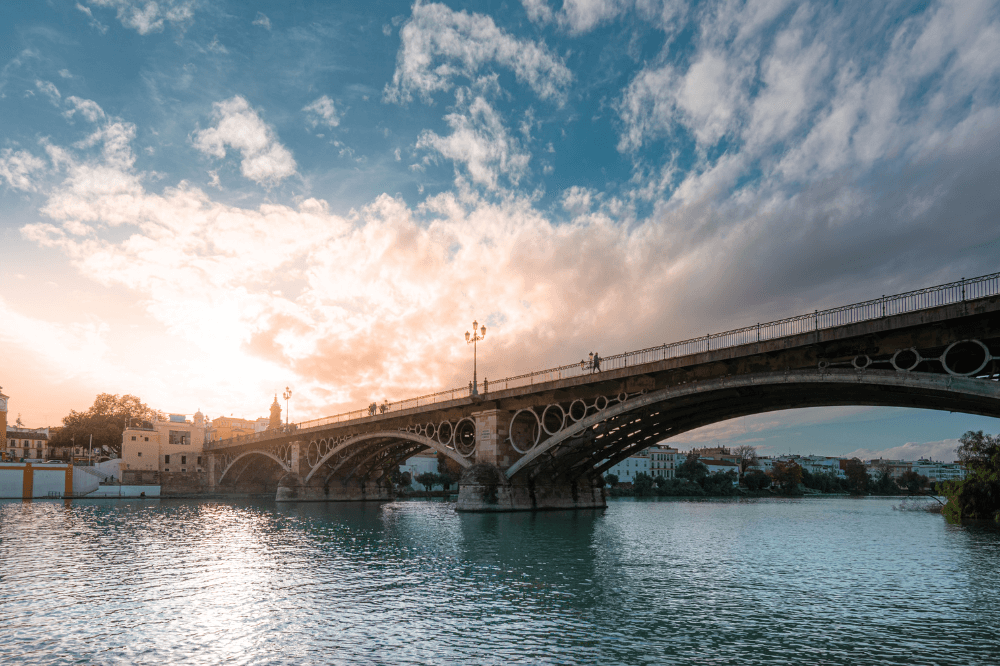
<point x="977" y="497"/>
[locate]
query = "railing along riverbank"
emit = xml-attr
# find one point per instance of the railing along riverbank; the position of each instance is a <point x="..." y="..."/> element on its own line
<point x="876" y="308"/>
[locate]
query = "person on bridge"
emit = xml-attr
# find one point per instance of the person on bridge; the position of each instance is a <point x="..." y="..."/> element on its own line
<point x="597" y="362"/>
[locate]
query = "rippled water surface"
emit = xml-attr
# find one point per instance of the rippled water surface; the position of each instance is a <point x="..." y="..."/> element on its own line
<point x="835" y="581"/>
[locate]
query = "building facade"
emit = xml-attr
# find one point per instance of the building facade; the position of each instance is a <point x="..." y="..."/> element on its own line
<point x="175" y="445"/>
<point x="27" y="443"/>
<point x="226" y="427"/>
<point x="663" y="461"/>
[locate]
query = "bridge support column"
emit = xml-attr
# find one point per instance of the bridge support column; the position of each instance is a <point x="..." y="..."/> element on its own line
<point x="492" y="446"/>
<point x="211" y="476"/>
<point x="292" y="486"/>
<point x="484" y="487"/>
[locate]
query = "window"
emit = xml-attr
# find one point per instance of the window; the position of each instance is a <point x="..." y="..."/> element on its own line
<point x="180" y="437"/>
<point x="166" y="469"/>
<point x="133" y="438"/>
<point x="147" y="439"/>
<point x="139" y="454"/>
<point x="183" y="469"/>
<point x="199" y="460"/>
<point x="166" y="459"/>
<point x="184" y="460"/>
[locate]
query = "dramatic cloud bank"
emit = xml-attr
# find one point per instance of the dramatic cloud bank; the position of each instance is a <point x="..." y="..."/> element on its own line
<point x="596" y="176"/>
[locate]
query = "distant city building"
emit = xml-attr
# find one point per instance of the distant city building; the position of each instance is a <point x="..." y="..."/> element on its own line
<point x="939" y="471"/>
<point x="174" y="445"/>
<point x="3" y="411"/>
<point x="32" y="443"/>
<point x="226" y="427"/>
<point x="20" y="442"/>
<point x="715" y="453"/>
<point x="627" y="469"/>
<point x="662" y="461"/>
<point x="274" y="423"/>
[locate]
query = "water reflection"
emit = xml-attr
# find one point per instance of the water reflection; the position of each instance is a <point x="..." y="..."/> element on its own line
<point x="771" y="581"/>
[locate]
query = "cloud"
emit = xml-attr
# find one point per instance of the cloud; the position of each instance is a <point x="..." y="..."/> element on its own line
<point x="17" y="169"/>
<point x="578" y="200"/>
<point x="480" y="142"/>
<point x="439" y="44"/>
<point x="94" y="23"/>
<point x="87" y="108"/>
<point x="238" y="126"/>
<point x="943" y="451"/>
<point x="262" y="21"/>
<point x="49" y="90"/>
<point x="322" y="111"/>
<point x="147" y="16"/>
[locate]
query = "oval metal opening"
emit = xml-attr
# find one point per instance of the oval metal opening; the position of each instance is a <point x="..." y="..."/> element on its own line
<point x="965" y="358"/>
<point x="444" y="433"/>
<point x="905" y="360"/>
<point x="861" y="362"/>
<point x="465" y="437"/>
<point x="578" y="410"/>
<point x="525" y="430"/>
<point x="553" y="419"/>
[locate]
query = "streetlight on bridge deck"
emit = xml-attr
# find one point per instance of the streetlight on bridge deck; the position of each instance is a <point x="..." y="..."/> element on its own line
<point x="286" y="395"/>
<point x="472" y="340"/>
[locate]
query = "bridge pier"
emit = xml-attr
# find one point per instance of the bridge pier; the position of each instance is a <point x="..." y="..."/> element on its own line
<point x="484" y="487"/>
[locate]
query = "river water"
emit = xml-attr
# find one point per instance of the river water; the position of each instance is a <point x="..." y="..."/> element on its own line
<point x="809" y="581"/>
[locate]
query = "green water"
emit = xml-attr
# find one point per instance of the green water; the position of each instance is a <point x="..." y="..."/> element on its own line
<point x="809" y="581"/>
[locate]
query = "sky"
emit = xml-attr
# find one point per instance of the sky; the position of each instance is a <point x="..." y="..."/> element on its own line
<point x="203" y="202"/>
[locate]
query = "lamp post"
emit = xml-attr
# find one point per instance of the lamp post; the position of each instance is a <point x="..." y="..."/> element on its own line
<point x="286" y="395"/>
<point x="472" y="339"/>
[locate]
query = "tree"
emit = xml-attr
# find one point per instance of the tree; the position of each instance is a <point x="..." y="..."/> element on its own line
<point x="428" y="480"/>
<point x="977" y="496"/>
<point x="611" y="480"/>
<point x="643" y="484"/>
<point x="106" y="419"/>
<point x="746" y="457"/>
<point x="857" y="476"/>
<point x="756" y="479"/>
<point x="405" y="479"/>
<point x="692" y="468"/>
<point x="18" y="422"/>
<point x="914" y="482"/>
<point x="446" y="475"/>
<point x="884" y="483"/>
<point x="787" y="474"/>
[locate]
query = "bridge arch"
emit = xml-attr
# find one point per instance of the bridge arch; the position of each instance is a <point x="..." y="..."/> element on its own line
<point x="266" y="454"/>
<point x="674" y="410"/>
<point x="391" y="437"/>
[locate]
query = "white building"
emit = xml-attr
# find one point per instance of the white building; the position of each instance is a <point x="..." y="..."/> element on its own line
<point x="627" y="469"/>
<point x="939" y="471"/>
<point x="663" y="461"/>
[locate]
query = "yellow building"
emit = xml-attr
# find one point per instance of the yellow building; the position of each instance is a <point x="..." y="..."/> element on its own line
<point x="174" y="445"/>
<point x="225" y="427"/>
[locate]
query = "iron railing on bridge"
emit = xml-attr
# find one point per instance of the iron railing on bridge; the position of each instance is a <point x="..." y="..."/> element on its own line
<point x="911" y="301"/>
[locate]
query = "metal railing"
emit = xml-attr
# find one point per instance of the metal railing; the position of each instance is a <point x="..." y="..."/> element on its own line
<point x="877" y="308"/>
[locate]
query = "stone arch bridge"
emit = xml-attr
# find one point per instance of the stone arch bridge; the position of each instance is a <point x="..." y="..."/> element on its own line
<point x="543" y="440"/>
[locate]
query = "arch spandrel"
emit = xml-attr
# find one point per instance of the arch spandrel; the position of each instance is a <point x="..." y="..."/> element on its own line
<point x="266" y="454"/>
<point x="876" y="388"/>
<point x="391" y="437"/>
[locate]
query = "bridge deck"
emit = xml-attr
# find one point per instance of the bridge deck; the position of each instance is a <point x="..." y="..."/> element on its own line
<point x="832" y="342"/>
